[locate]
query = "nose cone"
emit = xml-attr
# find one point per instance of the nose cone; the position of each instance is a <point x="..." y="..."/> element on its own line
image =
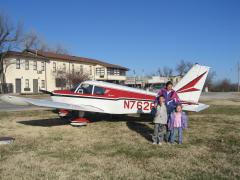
<point x="14" y="100"/>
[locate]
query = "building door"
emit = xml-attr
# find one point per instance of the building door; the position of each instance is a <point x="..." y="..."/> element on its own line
<point x="18" y="85"/>
<point x="35" y="86"/>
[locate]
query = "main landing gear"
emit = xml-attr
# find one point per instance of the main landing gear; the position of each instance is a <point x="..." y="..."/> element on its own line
<point x="76" y="117"/>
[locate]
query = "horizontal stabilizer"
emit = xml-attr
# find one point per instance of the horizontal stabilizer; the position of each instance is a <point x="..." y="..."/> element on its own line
<point x="195" y="107"/>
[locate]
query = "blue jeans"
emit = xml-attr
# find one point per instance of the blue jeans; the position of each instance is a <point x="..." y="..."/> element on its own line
<point x="173" y="133"/>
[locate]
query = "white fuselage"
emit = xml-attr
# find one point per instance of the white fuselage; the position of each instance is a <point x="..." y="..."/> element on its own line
<point x="111" y="106"/>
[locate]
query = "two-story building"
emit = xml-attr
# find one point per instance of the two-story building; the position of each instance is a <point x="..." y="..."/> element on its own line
<point x="31" y="70"/>
<point x="154" y="82"/>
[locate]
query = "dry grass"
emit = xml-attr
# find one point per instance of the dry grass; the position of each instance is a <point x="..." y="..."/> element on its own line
<point x="119" y="148"/>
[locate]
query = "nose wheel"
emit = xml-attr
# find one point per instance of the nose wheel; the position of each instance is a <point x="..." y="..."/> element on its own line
<point x="76" y="118"/>
<point x="80" y="120"/>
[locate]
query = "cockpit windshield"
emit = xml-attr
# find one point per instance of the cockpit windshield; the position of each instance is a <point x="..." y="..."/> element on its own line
<point x="74" y="88"/>
<point x="85" y="89"/>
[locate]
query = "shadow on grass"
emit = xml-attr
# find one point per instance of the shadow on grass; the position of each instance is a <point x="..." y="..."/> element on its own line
<point x="141" y="129"/>
<point x="45" y="122"/>
<point x="92" y="117"/>
<point x="95" y="117"/>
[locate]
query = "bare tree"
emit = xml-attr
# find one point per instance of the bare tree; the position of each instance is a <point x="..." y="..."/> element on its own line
<point x="224" y="85"/>
<point x="34" y="41"/>
<point x="10" y="39"/>
<point x="31" y="40"/>
<point x="159" y="72"/>
<point x="60" y="49"/>
<point x="183" y="67"/>
<point x="165" y="71"/>
<point x="209" y="80"/>
<point x="10" y="35"/>
<point x="66" y="79"/>
<point x="76" y="78"/>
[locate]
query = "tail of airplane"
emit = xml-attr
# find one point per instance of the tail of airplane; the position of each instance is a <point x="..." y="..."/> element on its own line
<point x="190" y="87"/>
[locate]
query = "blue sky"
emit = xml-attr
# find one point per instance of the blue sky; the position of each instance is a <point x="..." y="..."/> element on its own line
<point x="139" y="34"/>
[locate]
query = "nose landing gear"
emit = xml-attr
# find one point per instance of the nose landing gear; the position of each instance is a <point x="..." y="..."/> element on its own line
<point x="76" y="117"/>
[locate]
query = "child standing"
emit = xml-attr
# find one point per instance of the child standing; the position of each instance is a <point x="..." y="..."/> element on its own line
<point x="177" y="122"/>
<point x="160" y="121"/>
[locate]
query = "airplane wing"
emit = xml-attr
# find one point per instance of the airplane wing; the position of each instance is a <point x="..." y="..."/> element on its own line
<point x="48" y="103"/>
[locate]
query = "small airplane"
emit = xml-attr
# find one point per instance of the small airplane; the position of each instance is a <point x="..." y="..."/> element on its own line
<point x="109" y="98"/>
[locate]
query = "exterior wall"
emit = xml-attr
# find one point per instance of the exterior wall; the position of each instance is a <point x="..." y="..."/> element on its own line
<point x="49" y="74"/>
<point x="12" y="74"/>
<point x="132" y="81"/>
<point x="70" y="66"/>
<point x="106" y="76"/>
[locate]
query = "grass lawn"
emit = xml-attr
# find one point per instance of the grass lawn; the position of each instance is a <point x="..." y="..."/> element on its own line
<point x="119" y="147"/>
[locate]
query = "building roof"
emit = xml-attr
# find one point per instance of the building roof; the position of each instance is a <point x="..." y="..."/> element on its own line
<point x="65" y="57"/>
<point x="23" y="54"/>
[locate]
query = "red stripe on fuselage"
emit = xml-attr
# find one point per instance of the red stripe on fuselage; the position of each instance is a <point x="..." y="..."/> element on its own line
<point x="110" y="93"/>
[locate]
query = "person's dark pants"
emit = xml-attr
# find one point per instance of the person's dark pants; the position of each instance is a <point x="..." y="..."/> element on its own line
<point x="168" y="132"/>
<point x="158" y="132"/>
<point x="173" y="134"/>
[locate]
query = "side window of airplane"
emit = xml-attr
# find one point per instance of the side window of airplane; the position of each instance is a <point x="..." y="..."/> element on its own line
<point x="99" y="90"/>
<point x="86" y="88"/>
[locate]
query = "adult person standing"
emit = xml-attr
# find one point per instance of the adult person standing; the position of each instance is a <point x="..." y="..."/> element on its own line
<point x="171" y="101"/>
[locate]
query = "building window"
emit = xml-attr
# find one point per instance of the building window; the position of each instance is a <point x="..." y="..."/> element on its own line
<point x="35" y="65"/>
<point x="64" y="67"/>
<point x="90" y="70"/>
<point x="116" y="72"/>
<point x="100" y="71"/>
<point x="42" y="84"/>
<point x="54" y="67"/>
<point x="17" y="63"/>
<point x="42" y="66"/>
<point x="81" y="68"/>
<point x="110" y="71"/>
<point x="61" y="82"/>
<point x="26" y="65"/>
<point x="72" y="68"/>
<point x="122" y="73"/>
<point x="26" y="83"/>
